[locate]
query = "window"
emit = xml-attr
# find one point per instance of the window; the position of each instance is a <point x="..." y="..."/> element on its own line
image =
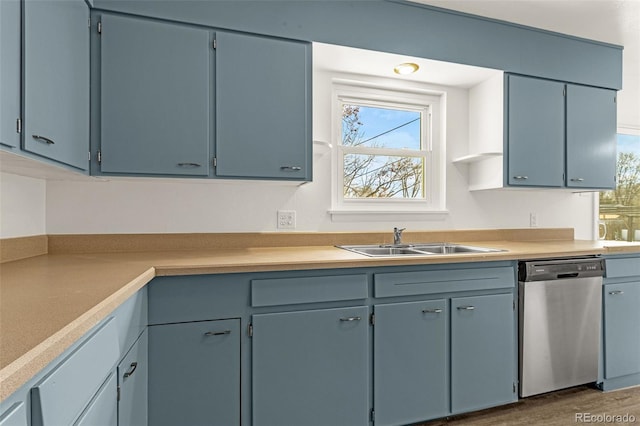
<point x="620" y="208"/>
<point x="388" y="154"/>
<point x="383" y="151"/>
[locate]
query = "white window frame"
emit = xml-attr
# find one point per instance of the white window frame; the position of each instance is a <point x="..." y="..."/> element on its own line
<point x="430" y="104"/>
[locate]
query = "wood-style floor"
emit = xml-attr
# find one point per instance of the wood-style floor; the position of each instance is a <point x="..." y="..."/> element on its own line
<point x="556" y="409"/>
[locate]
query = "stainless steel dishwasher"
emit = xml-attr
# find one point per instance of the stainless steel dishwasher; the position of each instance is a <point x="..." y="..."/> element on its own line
<point x="560" y="305"/>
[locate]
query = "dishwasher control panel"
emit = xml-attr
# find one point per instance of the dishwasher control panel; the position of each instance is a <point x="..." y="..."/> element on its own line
<point x="557" y="269"/>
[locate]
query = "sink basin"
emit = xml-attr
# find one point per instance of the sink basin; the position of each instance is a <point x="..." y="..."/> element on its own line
<point x="378" y="250"/>
<point x="448" y="248"/>
<point x="422" y="249"/>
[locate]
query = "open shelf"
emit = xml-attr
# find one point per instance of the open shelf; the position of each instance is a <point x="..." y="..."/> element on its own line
<point x="472" y="158"/>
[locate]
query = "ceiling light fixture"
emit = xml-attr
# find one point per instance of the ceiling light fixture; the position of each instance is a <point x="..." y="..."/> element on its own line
<point x="406" y="68"/>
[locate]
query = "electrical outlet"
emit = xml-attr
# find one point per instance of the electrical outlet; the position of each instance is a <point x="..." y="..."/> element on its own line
<point x="533" y="220"/>
<point x="286" y="219"/>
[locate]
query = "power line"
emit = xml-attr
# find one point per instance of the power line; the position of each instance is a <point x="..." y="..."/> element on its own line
<point x="389" y="131"/>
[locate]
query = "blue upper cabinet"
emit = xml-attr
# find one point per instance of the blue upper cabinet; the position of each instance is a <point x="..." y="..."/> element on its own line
<point x="155" y="98"/>
<point x="559" y="135"/>
<point x="263" y="107"/>
<point x="591" y="137"/>
<point x="10" y="73"/>
<point x="427" y="32"/>
<point x="56" y="81"/>
<point x="535" y="132"/>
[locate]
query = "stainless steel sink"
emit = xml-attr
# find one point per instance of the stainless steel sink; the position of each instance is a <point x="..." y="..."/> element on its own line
<point x="420" y="249"/>
<point x="449" y="248"/>
<point x="381" y="250"/>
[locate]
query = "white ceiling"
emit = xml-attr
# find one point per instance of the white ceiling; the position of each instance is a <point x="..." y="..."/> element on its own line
<point x="611" y="21"/>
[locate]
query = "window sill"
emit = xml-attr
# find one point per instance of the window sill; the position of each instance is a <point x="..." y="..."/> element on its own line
<point x="386" y="215"/>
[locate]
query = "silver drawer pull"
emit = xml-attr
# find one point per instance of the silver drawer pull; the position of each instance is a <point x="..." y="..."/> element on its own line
<point x="132" y="369"/>
<point x="431" y="311"/>
<point x="189" y="165"/>
<point x="466" y="308"/>
<point x="43" y="139"/>
<point x="217" y="333"/>
<point x="349" y="319"/>
<point x="521" y="177"/>
<point x="616" y="292"/>
<point x="290" y="168"/>
<point x="577" y="180"/>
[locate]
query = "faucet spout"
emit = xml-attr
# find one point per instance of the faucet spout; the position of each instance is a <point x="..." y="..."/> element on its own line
<point x="397" y="236"/>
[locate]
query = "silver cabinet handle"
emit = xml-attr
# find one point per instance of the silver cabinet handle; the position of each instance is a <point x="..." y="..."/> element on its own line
<point x="466" y="308"/>
<point x="521" y="177"/>
<point x="189" y="165"/>
<point x="616" y="292"/>
<point x="349" y="319"/>
<point x="132" y="369"/>
<point x="290" y="168"/>
<point x="217" y="333"/>
<point x="577" y="180"/>
<point x="43" y="139"/>
<point x="431" y="311"/>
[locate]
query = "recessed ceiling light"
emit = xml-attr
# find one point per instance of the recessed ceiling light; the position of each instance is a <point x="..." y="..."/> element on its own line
<point x="406" y="68"/>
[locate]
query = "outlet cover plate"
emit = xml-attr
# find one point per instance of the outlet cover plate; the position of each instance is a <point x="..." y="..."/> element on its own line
<point x="286" y="219"/>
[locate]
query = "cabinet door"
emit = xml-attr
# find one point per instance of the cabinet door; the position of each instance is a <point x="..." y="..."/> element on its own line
<point x="410" y="368"/>
<point x="621" y="329"/>
<point x="56" y="80"/>
<point x="483" y="352"/>
<point x="154" y="97"/>
<point x="263" y="107"/>
<point x="133" y="373"/>
<point x="194" y="373"/>
<point x="102" y="410"/>
<point x="10" y="72"/>
<point x="535" y="122"/>
<point x="311" y="368"/>
<point x="591" y="137"/>
<point x="16" y="415"/>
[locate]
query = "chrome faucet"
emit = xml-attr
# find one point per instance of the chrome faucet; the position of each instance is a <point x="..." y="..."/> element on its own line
<point x="397" y="236"/>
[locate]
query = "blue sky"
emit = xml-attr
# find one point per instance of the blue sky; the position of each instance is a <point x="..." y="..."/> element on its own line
<point x="378" y="120"/>
<point x="629" y="143"/>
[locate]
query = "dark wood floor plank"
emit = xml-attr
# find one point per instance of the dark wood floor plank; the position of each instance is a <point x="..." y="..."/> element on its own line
<point x="554" y="409"/>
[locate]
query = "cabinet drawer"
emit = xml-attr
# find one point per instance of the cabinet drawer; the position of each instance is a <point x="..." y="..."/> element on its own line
<point x="62" y="394"/>
<point x="291" y="291"/>
<point x="626" y="267"/>
<point x="442" y="281"/>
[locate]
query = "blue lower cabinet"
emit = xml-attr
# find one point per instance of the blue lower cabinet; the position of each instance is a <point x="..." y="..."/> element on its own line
<point x="15" y="415"/>
<point x="483" y="352"/>
<point x="621" y="329"/>
<point x="311" y="368"/>
<point x="194" y="373"/>
<point x="411" y="380"/>
<point x="64" y="393"/>
<point x="102" y="410"/>
<point x="133" y="375"/>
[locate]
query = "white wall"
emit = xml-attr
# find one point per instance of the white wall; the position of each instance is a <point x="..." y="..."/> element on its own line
<point x="22" y="206"/>
<point x="147" y="206"/>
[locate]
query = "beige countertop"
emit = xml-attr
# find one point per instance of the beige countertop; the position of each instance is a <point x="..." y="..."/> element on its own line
<point x="48" y="302"/>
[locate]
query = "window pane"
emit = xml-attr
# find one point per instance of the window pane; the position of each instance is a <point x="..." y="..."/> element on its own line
<point x="381" y="176"/>
<point x="620" y="208"/>
<point x="380" y="127"/>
